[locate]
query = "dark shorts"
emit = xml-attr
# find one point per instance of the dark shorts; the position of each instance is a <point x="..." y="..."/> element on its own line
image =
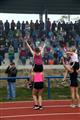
<point x="74" y="84"/>
<point x="38" y="68"/>
<point x="38" y="85"/>
<point x="75" y="65"/>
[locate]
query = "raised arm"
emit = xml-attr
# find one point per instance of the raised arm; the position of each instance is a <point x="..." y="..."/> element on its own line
<point x="30" y="48"/>
<point x="68" y="52"/>
<point x="42" y="49"/>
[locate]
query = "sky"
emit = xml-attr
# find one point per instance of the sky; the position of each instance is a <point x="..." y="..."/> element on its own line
<point x="34" y="17"/>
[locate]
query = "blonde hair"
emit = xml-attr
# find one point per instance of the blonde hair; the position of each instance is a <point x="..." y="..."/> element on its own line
<point x="73" y="49"/>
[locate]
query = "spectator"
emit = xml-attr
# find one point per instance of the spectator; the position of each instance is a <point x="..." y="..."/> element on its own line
<point x="32" y="27"/>
<point x="53" y="26"/>
<point x="23" y="29"/>
<point x="7" y="26"/>
<point x="1" y="28"/>
<point x="2" y="54"/>
<point x="11" y="53"/>
<point x="13" y="25"/>
<point x="18" y="25"/>
<point x="23" y="55"/>
<point x="10" y="35"/>
<point x="11" y="86"/>
<point x="48" y="26"/>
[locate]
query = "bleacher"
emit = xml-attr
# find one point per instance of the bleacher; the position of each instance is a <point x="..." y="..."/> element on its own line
<point x="56" y="37"/>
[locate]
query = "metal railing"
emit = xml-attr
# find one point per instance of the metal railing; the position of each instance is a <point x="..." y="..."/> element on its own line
<point x="26" y="77"/>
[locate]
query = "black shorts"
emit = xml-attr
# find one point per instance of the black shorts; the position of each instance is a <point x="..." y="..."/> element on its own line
<point x="38" y="68"/>
<point x="74" y="84"/>
<point x="38" y="85"/>
<point x="75" y="65"/>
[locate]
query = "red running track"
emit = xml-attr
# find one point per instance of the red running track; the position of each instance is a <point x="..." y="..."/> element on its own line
<point x="57" y="110"/>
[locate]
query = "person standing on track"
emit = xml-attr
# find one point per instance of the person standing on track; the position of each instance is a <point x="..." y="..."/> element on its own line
<point x="38" y="85"/>
<point x="73" y="73"/>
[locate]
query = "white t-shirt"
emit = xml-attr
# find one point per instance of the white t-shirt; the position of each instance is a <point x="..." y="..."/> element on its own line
<point x="74" y="57"/>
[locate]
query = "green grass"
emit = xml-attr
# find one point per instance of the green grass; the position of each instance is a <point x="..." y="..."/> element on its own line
<point x="23" y="94"/>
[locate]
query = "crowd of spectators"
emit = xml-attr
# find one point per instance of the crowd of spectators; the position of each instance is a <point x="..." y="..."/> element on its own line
<point x="56" y="37"/>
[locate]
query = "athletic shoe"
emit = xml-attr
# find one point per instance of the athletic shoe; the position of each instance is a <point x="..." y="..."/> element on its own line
<point x="40" y="108"/>
<point x="35" y="107"/>
<point x="78" y="105"/>
<point x="73" y="106"/>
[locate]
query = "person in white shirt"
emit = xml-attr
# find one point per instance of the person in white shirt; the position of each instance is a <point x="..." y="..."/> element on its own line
<point x="74" y="61"/>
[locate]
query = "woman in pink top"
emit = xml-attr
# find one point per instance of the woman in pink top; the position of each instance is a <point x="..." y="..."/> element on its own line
<point x="37" y="56"/>
<point x="38" y="85"/>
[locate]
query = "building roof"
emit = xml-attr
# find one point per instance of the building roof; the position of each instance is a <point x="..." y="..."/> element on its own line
<point x="40" y="6"/>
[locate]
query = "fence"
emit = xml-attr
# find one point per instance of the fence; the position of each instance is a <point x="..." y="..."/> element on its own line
<point x="26" y="77"/>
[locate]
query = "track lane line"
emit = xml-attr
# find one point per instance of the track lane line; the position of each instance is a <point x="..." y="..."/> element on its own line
<point x="51" y="106"/>
<point x="33" y="115"/>
<point x="32" y="101"/>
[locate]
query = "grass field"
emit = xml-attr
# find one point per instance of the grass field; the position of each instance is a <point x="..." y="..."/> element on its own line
<point x="24" y="94"/>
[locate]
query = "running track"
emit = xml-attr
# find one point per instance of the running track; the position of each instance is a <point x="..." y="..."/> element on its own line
<point x="53" y="110"/>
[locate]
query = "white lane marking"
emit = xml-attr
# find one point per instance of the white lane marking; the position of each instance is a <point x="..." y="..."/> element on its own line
<point x="32" y="101"/>
<point x="49" y="106"/>
<point x="37" y="115"/>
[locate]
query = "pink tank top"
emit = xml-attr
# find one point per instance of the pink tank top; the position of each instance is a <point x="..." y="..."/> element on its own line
<point x="38" y="59"/>
<point x="38" y="77"/>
